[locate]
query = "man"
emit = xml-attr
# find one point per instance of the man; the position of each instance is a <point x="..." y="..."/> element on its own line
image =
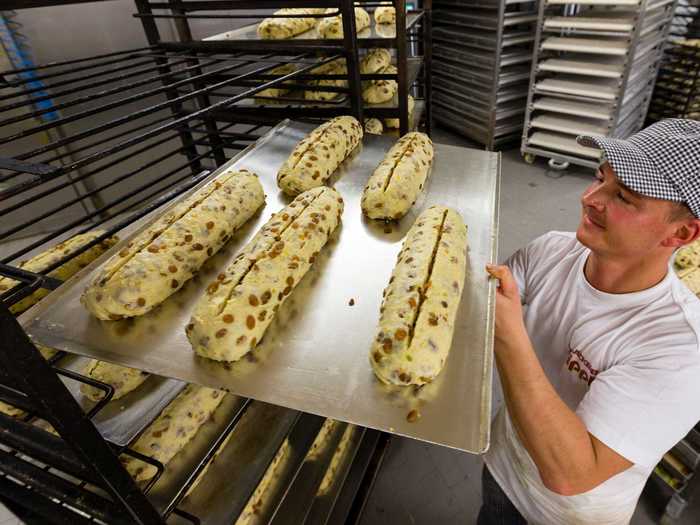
<point x="597" y="342"/>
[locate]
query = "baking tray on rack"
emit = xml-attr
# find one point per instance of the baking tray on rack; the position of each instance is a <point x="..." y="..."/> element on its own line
<point x="591" y="21"/>
<point x="374" y="35"/>
<point x="612" y="68"/>
<point x="569" y="107"/>
<point x="314" y="357"/>
<point x="602" y="46"/>
<point x="121" y="420"/>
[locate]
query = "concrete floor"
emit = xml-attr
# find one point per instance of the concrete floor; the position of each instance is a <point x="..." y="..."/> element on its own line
<point x="425" y="484"/>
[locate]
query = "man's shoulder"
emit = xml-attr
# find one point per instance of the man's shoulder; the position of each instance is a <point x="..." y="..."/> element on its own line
<point x="552" y="245"/>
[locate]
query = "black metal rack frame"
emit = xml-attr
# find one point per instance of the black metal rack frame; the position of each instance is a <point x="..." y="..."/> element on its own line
<point x="125" y="133"/>
<point x="186" y="14"/>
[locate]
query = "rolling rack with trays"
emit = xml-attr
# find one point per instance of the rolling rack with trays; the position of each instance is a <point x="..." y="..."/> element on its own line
<point x="676" y="93"/>
<point x="593" y="73"/>
<point x="481" y="65"/>
<point x="138" y="129"/>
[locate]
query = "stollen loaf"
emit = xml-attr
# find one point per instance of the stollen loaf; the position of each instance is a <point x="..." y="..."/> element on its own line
<point x="335" y="67"/>
<point x="688" y="256"/>
<point x="385" y="14"/>
<point x="256" y="507"/>
<point x="380" y="91"/>
<point x="283" y="28"/>
<point x="374" y="61"/>
<point x="394" y="123"/>
<point x="44" y="260"/>
<point x="276" y="92"/>
<point x="318" y="155"/>
<point x="332" y="26"/>
<point x="176" y="425"/>
<point x="160" y="260"/>
<point x="419" y="310"/>
<point x="374" y="126"/>
<point x="395" y="184"/>
<point x="122" y="378"/>
<point x="233" y="315"/>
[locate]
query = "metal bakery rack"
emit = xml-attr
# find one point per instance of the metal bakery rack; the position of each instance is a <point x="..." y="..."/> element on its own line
<point x="676" y="93"/>
<point x="481" y="67"/>
<point x="593" y="73"/>
<point x="98" y="143"/>
<point x="409" y="38"/>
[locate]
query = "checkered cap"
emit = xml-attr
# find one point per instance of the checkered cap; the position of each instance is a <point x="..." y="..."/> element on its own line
<point x="661" y="161"/>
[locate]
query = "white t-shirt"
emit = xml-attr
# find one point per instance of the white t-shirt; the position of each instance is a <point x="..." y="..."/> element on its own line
<point x="627" y="364"/>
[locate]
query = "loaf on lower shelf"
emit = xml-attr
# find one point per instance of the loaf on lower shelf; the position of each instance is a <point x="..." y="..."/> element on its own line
<point x="44" y="260"/>
<point x="374" y="61"/>
<point x="335" y="67"/>
<point x="385" y="14"/>
<point x="173" y="429"/>
<point x="380" y="91"/>
<point x="123" y="379"/>
<point x="374" y="126"/>
<point x="160" y="260"/>
<point x="394" y="123"/>
<point x="332" y="27"/>
<point x="688" y="256"/>
<point x="260" y="499"/>
<point x="419" y="310"/>
<point x="318" y="155"/>
<point x="276" y="92"/>
<point x="283" y="28"/>
<point x="231" y="318"/>
<point x="396" y="183"/>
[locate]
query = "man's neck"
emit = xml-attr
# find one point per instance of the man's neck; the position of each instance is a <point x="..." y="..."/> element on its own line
<point x="616" y="276"/>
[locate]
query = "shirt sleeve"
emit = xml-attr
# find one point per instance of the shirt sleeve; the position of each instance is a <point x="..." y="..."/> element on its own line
<point x="641" y="410"/>
<point x="520" y="261"/>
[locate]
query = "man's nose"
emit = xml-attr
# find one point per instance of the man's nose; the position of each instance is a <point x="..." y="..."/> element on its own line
<point x="595" y="197"/>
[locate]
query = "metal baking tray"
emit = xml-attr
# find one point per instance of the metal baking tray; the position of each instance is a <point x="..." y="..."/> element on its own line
<point x="121" y="420"/>
<point x="569" y="125"/>
<point x="589" y="20"/>
<point x="232" y="476"/>
<point x="569" y="107"/>
<point x="315" y="356"/>
<point x="190" y="461"/>
<point x="563" y="143"/>
<point x="595" y="68"/>
<point x="601" y="46"/>
<point x="603" y="89"/>
<point x="374" y="35"/>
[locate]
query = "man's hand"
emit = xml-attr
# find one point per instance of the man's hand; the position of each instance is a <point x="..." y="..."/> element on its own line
<point x="509" y="311"/>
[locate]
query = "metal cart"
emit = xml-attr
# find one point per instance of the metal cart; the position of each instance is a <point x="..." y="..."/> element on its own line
<point x="593" y="72"/>
<point x="483" y="52"/>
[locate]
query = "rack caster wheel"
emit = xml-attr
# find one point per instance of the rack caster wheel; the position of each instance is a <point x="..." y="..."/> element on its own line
<point x="529" y="158"/>
<point x="557" y="165"/>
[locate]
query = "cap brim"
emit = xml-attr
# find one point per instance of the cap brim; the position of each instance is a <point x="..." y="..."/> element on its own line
<point x="632" y="167"/>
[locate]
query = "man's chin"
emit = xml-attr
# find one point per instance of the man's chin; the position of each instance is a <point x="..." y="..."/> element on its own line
<point x="583" y="236"/>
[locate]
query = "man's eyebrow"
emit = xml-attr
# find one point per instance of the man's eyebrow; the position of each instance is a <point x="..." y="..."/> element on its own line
<point x="628" y="189"/>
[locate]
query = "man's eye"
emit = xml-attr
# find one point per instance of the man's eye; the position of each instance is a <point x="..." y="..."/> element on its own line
<point x="622" y="197"/>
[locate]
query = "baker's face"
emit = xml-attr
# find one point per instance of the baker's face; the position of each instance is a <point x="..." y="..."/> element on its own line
<point x="617" y="221"/>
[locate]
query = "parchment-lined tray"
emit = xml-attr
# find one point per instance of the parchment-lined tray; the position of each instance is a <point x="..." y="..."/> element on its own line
<point x="314" y="356"/>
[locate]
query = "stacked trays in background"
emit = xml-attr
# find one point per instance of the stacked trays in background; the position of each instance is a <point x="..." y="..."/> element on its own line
<point x="482" y="50"/>
<point x="676" y="92"/>
<point x="594" y="71"/>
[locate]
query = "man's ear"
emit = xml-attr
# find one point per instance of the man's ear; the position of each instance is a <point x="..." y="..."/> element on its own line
<point x="684" y="234"/>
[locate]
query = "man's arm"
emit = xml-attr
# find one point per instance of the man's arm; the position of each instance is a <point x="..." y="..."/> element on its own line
<point x="570" y="460"/>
